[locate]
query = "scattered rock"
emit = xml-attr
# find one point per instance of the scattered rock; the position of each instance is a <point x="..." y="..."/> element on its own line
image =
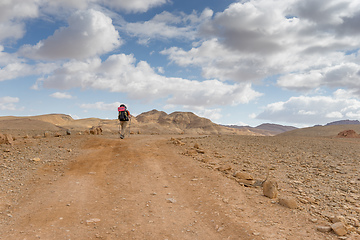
<point x="324" y="229"/>
<point x="339" y="228"/>
<point x="93" y="220"/>
<point x="96" y="130"/>
<point x="200" y="151"/>
<point x="191" y="152"/>
<point x="224" y="168"/>
<point x="57" y="134"/>
<point x="171" y="200"/>
<point x="36" y="159"/>
<point x="288" y="202"/>
<point x="270" y="189"/>
<point x="47" y="134"/>
<point x="243" y="175"/>
<point x="248" y="183"/>
<point x="354" y="222"/>
<point x="335" y="219"/>
<point x="6" y="139"/>
<point x="177" y="142"/>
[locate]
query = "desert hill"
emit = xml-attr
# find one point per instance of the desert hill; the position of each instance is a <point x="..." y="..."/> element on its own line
<point x="275" y="128"/>
<point x="182" y="122"/>
<point x="322" y="131"/>
<point x="152" y="122"/>
<point x="265" y="129"/>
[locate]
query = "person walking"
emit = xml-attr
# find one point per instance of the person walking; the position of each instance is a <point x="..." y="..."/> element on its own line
<point x="124" y="117"/>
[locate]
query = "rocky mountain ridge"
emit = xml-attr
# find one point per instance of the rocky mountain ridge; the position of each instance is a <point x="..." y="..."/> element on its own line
<point x="343" y="122"/>
<point x="152" y="122"/>
<point x="159" y="122"/>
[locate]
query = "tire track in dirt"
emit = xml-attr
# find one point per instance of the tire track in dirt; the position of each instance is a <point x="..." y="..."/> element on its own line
<point x="137" y="188"/>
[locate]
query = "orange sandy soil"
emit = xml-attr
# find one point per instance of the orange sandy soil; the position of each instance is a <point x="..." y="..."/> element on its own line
<point x="147" y="187"/>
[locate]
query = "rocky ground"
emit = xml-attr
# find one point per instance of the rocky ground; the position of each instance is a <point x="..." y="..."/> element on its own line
<point x="321" y="174"/>
<point x="178" y="187"/>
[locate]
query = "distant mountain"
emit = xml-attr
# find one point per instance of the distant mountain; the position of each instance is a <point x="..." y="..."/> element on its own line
<point x="151" y="122"/>
<point x="275" y="127"/>
<point x="155" y="121"/>
<point x="343" y="122"/>
<point x="267" y="129"/>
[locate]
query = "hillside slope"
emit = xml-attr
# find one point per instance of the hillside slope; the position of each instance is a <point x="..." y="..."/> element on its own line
<point x="322" y="131"/>
<point x="152" y="122"/>
<point x="182" y="122"/>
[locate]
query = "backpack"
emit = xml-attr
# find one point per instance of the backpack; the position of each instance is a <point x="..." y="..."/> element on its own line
<point x="123" y="114"/>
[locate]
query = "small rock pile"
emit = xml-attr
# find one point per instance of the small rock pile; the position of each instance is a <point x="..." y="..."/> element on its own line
<point x="96" y="130"/>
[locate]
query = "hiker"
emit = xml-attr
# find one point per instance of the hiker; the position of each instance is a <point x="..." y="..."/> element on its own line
<point x="124" y="117"/>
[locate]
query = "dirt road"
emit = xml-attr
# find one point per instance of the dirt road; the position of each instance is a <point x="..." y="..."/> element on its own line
<point x="142" y="188"/>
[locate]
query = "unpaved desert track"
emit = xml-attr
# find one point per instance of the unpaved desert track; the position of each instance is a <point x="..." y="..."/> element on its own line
<point x="137" y="188"/>
<point x="142" y="188"/>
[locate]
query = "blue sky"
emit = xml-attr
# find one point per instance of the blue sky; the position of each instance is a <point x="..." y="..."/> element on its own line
<point x="293" y="62"/>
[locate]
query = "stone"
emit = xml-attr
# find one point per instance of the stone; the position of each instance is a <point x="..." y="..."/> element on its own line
<point x="36" y="159"/>
<point x="171" y="200"/>
<point x="96" y="130"/>
<point x="177" y="141"/>
<point x="93" y="220"/>
<point x="224" y="168"/>
<point x="245" y="182"/>
<point x="288" y="202"/>
<point x="354" y="222"/>
<point x="57" y="134"/>
<point x="243" y="175"/>
<point x="270" y="189"/>
<point x="324" y="229"/>
<point x="338" y="219"/>
<point x="6" y="139"/>
<point x="191" y="152"/>
<point x="200" y="151"/>
<point x="339" y="228"/>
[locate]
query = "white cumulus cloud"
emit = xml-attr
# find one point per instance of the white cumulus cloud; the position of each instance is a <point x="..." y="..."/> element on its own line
<point x="61" y="95"/>
<point x="308" y="43"/>
<point x="312" y="110"/>
<point x="101" y="106"/>
<point x="8" y="103"/>
<point x="89" y="33"/>
<point x="121" y="73"/>
<point x="12" y="67"/>
<point x="168" y="25"/>
<point x="12" y="16"/>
